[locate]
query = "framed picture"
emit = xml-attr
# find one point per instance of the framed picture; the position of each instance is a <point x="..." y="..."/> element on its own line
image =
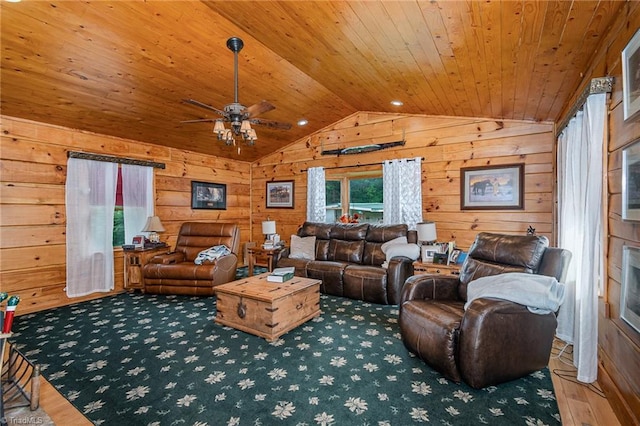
<point x="492" y="187"/>
<point x="631" y="76"/>
<point x="631" y="182"/>
<point x="630" y="296"/>
<point x="205" y="195"/>
<point x="427" y="252"/>
<point x="280" y="194"/>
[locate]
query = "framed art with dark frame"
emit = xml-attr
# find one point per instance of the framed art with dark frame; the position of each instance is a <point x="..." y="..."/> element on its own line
<point x="631" y="77"/>
<point x="280" y="194"/>
<point x="206" y="195"/>
<point x="631" y="182"/>
<point x="492" y="187"/>
<point x="630" y="296"/>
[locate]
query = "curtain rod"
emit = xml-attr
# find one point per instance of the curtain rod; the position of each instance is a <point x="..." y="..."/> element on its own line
<point x="112" y="159"/>
<point x="597" y="85"/>
<point x="358" y="165"/>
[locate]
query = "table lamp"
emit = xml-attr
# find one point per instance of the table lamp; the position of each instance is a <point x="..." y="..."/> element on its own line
<point x="153" y="226"/>
<point x="427" y="237"/>
<point x="269" y="230"/>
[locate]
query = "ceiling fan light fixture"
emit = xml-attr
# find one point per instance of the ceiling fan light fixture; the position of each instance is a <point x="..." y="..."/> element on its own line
<point x="237" y="115"/>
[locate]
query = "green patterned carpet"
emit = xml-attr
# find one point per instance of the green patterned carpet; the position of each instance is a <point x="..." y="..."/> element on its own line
<point x="138" y="359"/>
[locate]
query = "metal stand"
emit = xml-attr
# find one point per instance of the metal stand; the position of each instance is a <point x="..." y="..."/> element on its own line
<point x="16" y="375"/>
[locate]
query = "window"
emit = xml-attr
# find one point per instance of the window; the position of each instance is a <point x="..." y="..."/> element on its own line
<point x="118" y="214"/>
<point x="355" y="192"/>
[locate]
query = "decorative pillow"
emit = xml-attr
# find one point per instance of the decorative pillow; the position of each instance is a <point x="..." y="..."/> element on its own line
<point x="211" y="254"/>
<point x="399" y="240"/>
<point x="303" y="247"/>
<point x="412" y="251"/>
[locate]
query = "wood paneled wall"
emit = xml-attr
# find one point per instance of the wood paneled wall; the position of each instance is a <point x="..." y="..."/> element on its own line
<point x="446" y="144"/>
<point x="33" y="163"/>
<point x="618" y="343"/>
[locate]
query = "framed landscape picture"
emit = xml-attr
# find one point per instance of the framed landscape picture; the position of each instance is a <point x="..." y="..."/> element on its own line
<point x="630" y="297"/>
<point x="631" y="182"/>
<point x="205" y="195"/>
<point x="631" y="77"/>
<point x="492" y="187"/>
<point x="280" y="194"/>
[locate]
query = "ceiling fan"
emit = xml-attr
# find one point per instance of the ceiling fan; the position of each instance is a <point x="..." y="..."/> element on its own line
<point x="239" y="116"/>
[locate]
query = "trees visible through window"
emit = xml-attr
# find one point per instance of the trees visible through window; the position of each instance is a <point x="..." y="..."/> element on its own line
<point x="354" y="194"/>
<point x="118" y="214"/>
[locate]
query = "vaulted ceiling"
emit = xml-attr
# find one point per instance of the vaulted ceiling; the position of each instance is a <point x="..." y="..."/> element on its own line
<point x="123" y="68"/>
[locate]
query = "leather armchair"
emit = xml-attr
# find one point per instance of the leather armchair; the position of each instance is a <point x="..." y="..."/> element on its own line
<point x="176" y="272"/>
<point x="492" y="341"/>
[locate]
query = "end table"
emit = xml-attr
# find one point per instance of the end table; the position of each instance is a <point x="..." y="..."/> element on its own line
<point x="134" y="260"/>
<point x="420" y="268"/>
<point x="262" y="257"/>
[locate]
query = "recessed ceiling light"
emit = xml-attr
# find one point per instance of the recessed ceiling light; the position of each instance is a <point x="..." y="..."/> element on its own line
<point x="303" y="122"/>
<point x="13" y="1"/>
<point x="397" y="103"/>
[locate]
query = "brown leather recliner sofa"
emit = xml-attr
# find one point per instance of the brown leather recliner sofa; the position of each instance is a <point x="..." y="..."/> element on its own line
<point x="493" y="340"/>
<point x="349" y="257"/>
<point x="177" y="273"/>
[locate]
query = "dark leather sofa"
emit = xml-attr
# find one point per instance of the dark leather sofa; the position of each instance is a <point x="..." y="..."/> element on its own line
<point x="177" y="273"/>
<point x="349" y="258"/>
<point x="493" y="340"/>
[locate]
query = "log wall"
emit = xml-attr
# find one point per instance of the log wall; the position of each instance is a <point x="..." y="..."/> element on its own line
<point x="446" y="144"/>
<point x="33" y="163"/>
<point x="618" y="343"/>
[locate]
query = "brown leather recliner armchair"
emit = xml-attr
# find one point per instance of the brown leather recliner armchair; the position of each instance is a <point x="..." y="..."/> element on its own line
<point x="176" y="272"/>
<point x="493" y="340"/>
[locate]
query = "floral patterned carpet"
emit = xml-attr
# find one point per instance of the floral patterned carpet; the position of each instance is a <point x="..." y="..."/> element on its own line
<point x="139" y="359"/>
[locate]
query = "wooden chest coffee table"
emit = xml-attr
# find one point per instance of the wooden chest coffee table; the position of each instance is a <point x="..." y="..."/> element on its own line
<point x="267" y="309"/>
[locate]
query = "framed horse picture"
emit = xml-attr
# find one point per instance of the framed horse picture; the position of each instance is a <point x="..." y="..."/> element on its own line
<point x="492" y="187"/>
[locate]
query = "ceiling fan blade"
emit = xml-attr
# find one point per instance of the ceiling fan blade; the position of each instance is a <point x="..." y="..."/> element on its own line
<point x="205" y="106"/>
<point x="201" y="120"/>
<point x="259" y="108"/>
<point x="270" y="123"/>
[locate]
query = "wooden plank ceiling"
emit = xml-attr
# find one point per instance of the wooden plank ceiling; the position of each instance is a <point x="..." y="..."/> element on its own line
<point x="122" y="67"/>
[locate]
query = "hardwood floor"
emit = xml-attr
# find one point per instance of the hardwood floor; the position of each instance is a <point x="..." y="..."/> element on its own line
<point x="580" y="404"/>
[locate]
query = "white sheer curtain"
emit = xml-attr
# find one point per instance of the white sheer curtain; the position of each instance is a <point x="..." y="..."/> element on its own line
<point x="316" y="195"/>
<point x="137" y="198"/>
<point x="580" y="229"/>
<point x="402" y="191"/>
<point x="90" y="194"/>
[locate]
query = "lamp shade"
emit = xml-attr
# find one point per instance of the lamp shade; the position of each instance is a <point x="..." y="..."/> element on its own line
<point x="153" y="225"/>
<point x="269" y="227"/>
<point x="426" y="231"/>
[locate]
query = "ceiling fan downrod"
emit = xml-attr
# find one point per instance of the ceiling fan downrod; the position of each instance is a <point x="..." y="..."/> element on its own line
<point x="235" y="44"/>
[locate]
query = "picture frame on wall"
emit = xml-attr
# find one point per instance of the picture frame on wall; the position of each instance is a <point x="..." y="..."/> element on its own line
<point x="631" y="182"/>
<point x="631" y="77"/>
<point x="207" y="195"/>
<point x="280" y="194"/>
<point x="492" y="187"/>
<point x="630" y="295"/>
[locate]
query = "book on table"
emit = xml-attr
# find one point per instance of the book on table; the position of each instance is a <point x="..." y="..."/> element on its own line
<point x="280" y="275"/>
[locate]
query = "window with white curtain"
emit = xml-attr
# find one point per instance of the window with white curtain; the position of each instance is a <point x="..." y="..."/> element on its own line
<point x="581" y="148"/>
<point x="90" y="204"/>
<point x="403" y="191"/>
<point x="90" y="193"/>
<point x="137" y="198"/>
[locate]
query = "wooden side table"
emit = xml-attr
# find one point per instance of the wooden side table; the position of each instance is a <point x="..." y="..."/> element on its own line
<point x="134" y="260"/>
<point x="420" y="268"/>
<point x="262" y="257"/>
